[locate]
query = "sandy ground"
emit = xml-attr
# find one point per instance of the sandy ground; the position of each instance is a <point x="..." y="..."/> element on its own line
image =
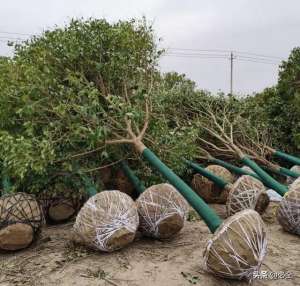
<point x="54" y="260"/>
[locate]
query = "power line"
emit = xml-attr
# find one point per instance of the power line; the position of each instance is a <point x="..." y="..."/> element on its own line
<point x="218" y="54"/>
<point x="221" y="56"/>
<point x="10" y="38"/>
<point x="174" y="49"/>
<point x="259" y="62"/>
<point x="196" y="57"/>
<point x="260" y="55"/>
<point x="258" y="58"/>
<point x="197" y="54"/>
<point x="12" y="33"/>
<point x="192" y="54"/>
<point x="226" y="51"/>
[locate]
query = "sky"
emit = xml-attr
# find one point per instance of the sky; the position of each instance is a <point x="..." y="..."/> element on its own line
<point x="198" y="35"/>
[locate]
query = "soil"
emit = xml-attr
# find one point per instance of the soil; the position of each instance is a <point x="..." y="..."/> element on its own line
<point x="54" y="260"/>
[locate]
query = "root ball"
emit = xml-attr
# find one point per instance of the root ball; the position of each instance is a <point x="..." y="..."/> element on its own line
<point x="208" y="190"/>
<point x="238" y="247"/>
<point x="247" y="193"/>
<point x="108" y="221"/>
<point x="20" y="219"/>
<point x="288" y="212"/>
<point x="162" y="211"/>
<point x="290" y="180"/>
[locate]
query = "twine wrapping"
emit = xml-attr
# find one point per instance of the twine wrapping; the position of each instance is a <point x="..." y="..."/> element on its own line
<point x="162" y="211"/>
<point x="108" y="221"/>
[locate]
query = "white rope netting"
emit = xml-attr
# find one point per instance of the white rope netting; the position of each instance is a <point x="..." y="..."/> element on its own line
<point x="238" y="247"/>
<point x="209" y="191"/>
<point x="107" y="221"/>
<point x="162" y="211"/>
<point x="246" y="193"/>
<point x="295" y="185"/>
<point x="288" y="212"/>
<point x="290" y="180"/>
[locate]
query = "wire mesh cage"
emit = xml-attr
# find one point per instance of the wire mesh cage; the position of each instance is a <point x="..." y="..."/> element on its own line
<point x="21" y="218"/>
<point x="63" y="196"/>
<point x="20" y="208"/>
<point x="60" y="207"/>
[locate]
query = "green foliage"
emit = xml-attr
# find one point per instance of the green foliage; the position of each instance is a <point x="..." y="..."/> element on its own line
<point x="65" y="93"/>
<point x="61" y="91"/>
<point x="278" y="108"/>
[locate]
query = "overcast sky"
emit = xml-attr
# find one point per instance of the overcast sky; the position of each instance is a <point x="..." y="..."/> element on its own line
<point x="268" y="27"/>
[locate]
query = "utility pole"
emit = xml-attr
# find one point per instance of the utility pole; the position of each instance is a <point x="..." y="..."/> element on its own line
<point x="231" y="73"/>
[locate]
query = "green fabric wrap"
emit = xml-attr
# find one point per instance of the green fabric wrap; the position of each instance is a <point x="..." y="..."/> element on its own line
<point x="267" y="179"/>
<point x="272" y="171"/>
<point x="211" y="219"/>
<point x="282" y="171"/>
<point x="90" y="188"/>
<point x="287" y="157"/>
<point x="6" y="184"/>
<point x="138" y="185"/>
<point x="234" y="168"/>
<point x="207" y="174"/>
<point x="288" y="172"/>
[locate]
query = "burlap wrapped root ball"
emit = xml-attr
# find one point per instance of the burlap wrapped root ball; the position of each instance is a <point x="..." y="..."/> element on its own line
<point x="288" y="212"/>
<point x="20" y="219"/>
<point x="210" y="192"/>
<point x="162" y="211"/>
<point x="108" y="221"/>
<point x="290" y="180"/>
<point x="247" y="193"/>
<point x="238" y="247"/>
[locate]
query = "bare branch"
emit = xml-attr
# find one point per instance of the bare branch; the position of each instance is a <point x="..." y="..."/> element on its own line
<point x="119" y="141"/>
<point x="103" y="167"/>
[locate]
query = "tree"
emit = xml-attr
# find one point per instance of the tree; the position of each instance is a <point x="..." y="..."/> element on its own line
<point x="65" y="93"/>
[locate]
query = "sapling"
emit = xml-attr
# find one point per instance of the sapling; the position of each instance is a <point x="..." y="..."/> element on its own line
<point x="288" y="213"/>
<point x="241" y="235"/>
<point x="75" y="86"/>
